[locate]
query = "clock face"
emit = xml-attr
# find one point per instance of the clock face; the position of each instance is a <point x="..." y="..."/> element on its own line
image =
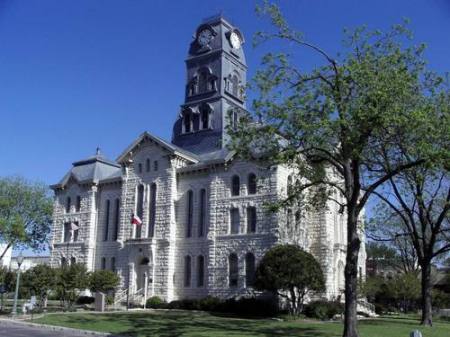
<point x="204" y="37"/>
<point x="235" y="40"/>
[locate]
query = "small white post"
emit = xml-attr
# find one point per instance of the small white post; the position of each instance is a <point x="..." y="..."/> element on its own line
<point x="145" y="289"/>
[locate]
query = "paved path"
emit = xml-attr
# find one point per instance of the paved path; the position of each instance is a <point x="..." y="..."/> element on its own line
<point x="18" y="329"/>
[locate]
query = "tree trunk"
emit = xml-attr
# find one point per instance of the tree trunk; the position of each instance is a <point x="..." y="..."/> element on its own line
<point x="351" y="274"/>
<point x="427" y="313"/>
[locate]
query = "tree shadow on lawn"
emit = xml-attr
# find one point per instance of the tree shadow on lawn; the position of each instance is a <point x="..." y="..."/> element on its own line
<point x="169" y="324"/>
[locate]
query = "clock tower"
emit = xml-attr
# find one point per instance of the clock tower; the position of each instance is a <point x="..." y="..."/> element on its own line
<point x="215" y="87"/>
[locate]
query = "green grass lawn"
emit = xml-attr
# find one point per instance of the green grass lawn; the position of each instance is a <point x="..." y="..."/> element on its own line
<point x="188" y="323"/>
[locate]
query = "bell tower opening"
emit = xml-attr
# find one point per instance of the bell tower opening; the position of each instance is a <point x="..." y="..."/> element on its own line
<point x="216" y="79"/>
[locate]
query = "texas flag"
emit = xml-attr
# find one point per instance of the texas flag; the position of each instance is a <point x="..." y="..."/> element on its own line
<point x="135" y="220"/>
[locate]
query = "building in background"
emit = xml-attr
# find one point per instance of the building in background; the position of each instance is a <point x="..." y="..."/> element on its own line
<point x="29" y="262"/>
<point x="200" y="225"/>
<point x="6" y="260"/>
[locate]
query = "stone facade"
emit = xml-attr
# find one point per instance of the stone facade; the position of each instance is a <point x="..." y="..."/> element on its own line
<point x="204" y="225"/>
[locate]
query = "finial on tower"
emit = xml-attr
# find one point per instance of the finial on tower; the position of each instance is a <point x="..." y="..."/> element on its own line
<point x="97" y="151"/>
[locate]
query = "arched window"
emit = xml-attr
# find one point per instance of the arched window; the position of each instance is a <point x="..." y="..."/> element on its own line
<point x="152" y="211"/>
<point x="113" y="264"/>
<point x="192" y="86"/>
<point x="106" y="229"/>
<point x="187" y="122"/>
<point x="73" y="260"/>
<point x="235" y="85"/>
<point x="139" y="210"/>
<point x="155" y="165"/>
<point x="251" y="184"/>
<point x="289" y="185"/>
<point x="187" y="271"/>
<point x="234" y="119"/>
<point x="249" y="269"/>
<point x="190" y="213"/>
<point x="78" y="204"/>
<point x="235" y="185"/>
<point x="251" y="219"/>
<point x="297" y="220"/>
<point x="63" y="261"/>
<point x="233" y="270"/>
<point x="200" y="271"/>
<point x="75" y="231"/>
<point x="203" y="81"/>
<point x="68" y="202"/>
<point x="202" y="213"/>
<point x="140" y="167"/>
<point x="116" y="219"/>
<point x="103" y="266"/>
<point x="289" y="219"/>
<point x="234" y="221"/>
<point x="204" y="116"/>
<point x="147" y="165"/>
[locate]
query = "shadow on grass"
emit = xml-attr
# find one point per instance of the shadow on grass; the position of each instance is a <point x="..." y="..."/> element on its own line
<point x="168" y="324"/>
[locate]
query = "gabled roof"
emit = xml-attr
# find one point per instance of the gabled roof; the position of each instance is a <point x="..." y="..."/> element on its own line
<point x="171" y="148"/>
<point x="94" y="169"/>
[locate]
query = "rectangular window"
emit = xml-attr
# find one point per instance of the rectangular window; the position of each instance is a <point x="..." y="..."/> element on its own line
<point x="105" y="232"/>
<point x="233" y="270"/>
<point x="78" y="204"/>
<point x="155" y="165"/>
<point x="202" y="215"/>
<point x="103" y="263"/>
<point x="68" y="204"/>
<point x="234" y="221"/>
<point x="75" y="228"/>
<point x="116" y="219"/>
<point x="113" y="264"/>
<point x="187" y="271"/>
<point x="190" y="212"/>
<point x="147" y="165"/>
<point x="67" y="232"/>
<point x="152" y="211"/>
<point x="251" y="220"/>
<point x="200" y="271"/>
<point x="139" y="210"/>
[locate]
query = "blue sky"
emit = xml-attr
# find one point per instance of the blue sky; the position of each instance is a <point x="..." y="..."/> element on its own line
<point x="79" y="74"/>
<point x="75" y="75"/>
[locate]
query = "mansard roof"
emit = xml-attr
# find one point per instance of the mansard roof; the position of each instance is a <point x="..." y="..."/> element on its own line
<point x="171" y="148"/>
<point x="93" y="169"/>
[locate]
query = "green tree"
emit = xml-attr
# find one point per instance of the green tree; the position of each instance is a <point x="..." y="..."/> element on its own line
<point x="70" y="281"/>
<point x="398" y="255"/>
<point x="415" y="206"/>
<point x="103" y="280"/>
<point x="291" y="273"/>
<point x="344" y="124"/>
<point x="40" y="280"/>
<point x="25" y="214"/>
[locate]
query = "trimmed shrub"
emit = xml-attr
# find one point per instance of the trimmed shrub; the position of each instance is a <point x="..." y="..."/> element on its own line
<point x="323" y="309"/>
<point x="155" y="302"/>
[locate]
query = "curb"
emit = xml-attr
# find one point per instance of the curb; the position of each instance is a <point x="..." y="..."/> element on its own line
<point x="4" y="321"/>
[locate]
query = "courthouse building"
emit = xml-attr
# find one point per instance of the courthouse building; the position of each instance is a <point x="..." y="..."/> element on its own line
<point x="204" y="224"/>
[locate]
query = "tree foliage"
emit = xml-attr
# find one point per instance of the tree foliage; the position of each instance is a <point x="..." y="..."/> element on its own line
<point x="70" y="281"/>
<point x="415" y="206"/>
<point x="103" y="281"/>
<point x="346" y="124"/>
<point x="291" y="273"/>
<point x="40" y="280"/>
<point x="25" y="214"/>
